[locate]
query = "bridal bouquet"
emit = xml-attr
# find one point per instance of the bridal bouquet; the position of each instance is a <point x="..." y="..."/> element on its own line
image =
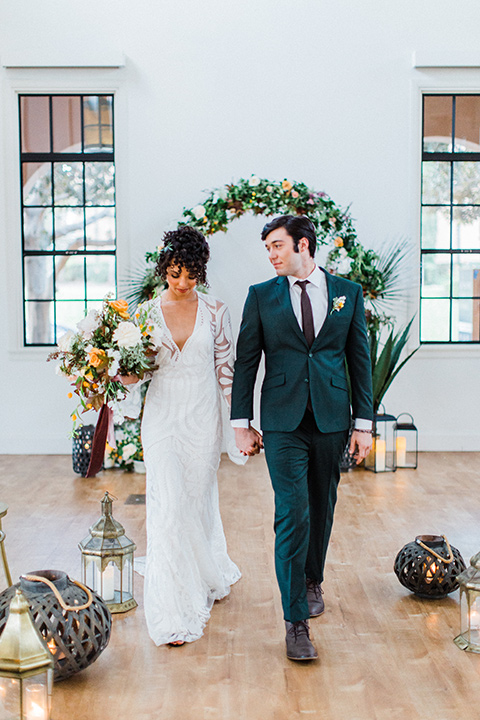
<point x="107" y="344"/>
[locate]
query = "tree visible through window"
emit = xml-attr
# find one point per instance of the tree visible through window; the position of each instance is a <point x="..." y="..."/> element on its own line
<point x="68" y="210"/>
<point x="450" y="227"/>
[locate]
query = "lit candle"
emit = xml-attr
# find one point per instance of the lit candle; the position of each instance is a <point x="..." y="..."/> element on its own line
<point x="108" y="593"/>
<point x="51" y="646"/>
<point x="401" y="446"/>
<point x="380" y="455"/>
<point x="429" y="575"/>
<point x="35" y="709"/>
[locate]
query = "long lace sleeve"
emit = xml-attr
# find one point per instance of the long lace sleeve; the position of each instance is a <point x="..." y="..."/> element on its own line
<point x="224" y="351"/>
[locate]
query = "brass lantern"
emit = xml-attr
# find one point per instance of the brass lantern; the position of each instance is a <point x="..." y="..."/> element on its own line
<point x="107" y="561"/>
<point x="26" y="667"/>
<point x="469" y="581"/>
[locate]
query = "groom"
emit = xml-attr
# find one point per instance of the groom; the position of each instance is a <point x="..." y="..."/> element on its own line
<point x="308" y="323"/>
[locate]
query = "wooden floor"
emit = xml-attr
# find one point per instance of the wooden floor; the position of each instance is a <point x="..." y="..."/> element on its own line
<point x="384" y="654"/>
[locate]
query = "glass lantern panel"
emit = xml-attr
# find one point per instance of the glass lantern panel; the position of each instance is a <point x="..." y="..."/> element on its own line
<point x="35" y="697"/>
<point x="473" y="619"/>
<point x="9" y="698"/>
<point x="108" y="583"/>
<point x="383" y="447"/>
<point x="127" y="580"/>
<point x="406" y="448"/>
<point x="91" y="573"/>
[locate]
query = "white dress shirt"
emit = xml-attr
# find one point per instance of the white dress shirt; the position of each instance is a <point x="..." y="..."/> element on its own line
<point x="318" y="294"/>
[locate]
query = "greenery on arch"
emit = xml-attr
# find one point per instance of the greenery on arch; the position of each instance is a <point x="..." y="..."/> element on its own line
<point x="378" y="274"/>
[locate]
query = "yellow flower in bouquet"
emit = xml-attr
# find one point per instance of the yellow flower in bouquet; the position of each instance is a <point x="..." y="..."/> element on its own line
<point x="120" y="307"/>
<point x="97" y="358"/>
<point x="287" y="185"/>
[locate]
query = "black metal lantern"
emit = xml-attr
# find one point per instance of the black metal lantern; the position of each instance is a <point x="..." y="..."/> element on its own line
<point x="405" y="441"/>
<point x="382" y="455"/>
<point x="82" y="449"/>
<point x="429" y="566"/>
<point x="75" y="637"/>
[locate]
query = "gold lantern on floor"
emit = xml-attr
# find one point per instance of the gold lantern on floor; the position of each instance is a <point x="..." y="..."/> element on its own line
<point x="26" y="667"/>
<point x="107" y="560"/>
<point x="469" y="581"/>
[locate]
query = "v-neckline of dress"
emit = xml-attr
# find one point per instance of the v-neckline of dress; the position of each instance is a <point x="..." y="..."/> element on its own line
<point x="197" y="315"/>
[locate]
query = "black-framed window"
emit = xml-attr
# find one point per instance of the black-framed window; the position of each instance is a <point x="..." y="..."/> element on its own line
<point x="68" y="210"/>
<point x="450" y="223"/>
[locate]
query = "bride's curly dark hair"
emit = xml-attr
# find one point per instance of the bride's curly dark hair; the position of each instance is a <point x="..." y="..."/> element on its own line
<point x="185" y="247"/>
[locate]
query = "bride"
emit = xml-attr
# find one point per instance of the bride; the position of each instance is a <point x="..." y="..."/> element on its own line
<point x="187" y="566"/>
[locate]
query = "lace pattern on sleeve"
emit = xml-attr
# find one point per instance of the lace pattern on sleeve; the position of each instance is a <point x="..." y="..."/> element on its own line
<point x="224" y="350"/>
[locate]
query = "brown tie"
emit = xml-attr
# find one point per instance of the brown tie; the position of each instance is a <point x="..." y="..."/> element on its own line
<point x="307" y="314"/>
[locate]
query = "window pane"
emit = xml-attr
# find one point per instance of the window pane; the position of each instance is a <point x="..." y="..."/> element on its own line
<point x="466" y="228"/>
<point x="68" y="315"/>
<point x="466" y="275"/>
<point x="39" y="323"/>
<point x="437" y="123"/>
<point x="37" y="183"/>
<point x="100" y="276"/>
<point x="466" y="183"/>
<point x="99" y="183"/>
<point x="436" y="275"/>
<point x="70" y="278"/>
<point x="66" y="120"/>
<point x="35" y="120"/>
<point x="435" y="228"/>
<point x="38" y="228"/>
<point x="98" y="124"/>
<point x="68" y="183"/>
<point x="69" y="230"/>
<point x="467" y="123"/>
<point x="465" y="320"/>
<point x="39" y="277"/>
<point x="435" y="320"/>
<point x="100" y="228"/>
<point x="436" y="183"/>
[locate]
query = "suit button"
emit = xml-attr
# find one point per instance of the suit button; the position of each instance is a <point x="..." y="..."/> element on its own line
<point x="306" y="379"/>
<point x="310" y="354"/>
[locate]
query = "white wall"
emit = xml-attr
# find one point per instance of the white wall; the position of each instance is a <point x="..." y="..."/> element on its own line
<point x="310" y="90"/>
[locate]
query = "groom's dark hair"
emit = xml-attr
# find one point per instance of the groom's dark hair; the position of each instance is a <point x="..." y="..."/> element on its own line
<point x="297" y="226"/>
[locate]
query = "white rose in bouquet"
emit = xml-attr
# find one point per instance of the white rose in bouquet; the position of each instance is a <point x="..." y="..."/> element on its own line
<point x="129" y="451"/>
<point x="127" y="335"/>
<point x="65" y="342"/>
<point x="254" y="181"/>
<point x="198" y="211"/>
<point x="89" y="324"/>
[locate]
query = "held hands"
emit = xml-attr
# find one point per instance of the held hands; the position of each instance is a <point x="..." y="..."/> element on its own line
<point x="360" y="445"/>
<point x="248" y="440"/>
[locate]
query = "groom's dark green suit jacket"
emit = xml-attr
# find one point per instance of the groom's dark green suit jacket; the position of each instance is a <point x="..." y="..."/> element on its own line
<point x="293" y="371"/>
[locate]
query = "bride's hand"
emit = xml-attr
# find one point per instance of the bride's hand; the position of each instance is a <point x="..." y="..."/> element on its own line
<point x="126" y="379"/>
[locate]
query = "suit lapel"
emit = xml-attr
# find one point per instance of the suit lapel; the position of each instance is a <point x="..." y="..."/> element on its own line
<point x="282" y="287"/>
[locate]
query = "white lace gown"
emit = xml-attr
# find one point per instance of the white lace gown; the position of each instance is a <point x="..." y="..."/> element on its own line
<point x="187" y="566"/>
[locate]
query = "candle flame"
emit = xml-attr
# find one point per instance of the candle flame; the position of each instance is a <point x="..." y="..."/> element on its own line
<point x="51" y="646"/>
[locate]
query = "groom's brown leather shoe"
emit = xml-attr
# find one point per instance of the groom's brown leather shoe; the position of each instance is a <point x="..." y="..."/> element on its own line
<point x="316" y="606"/>
<point x="299" y="645"/>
